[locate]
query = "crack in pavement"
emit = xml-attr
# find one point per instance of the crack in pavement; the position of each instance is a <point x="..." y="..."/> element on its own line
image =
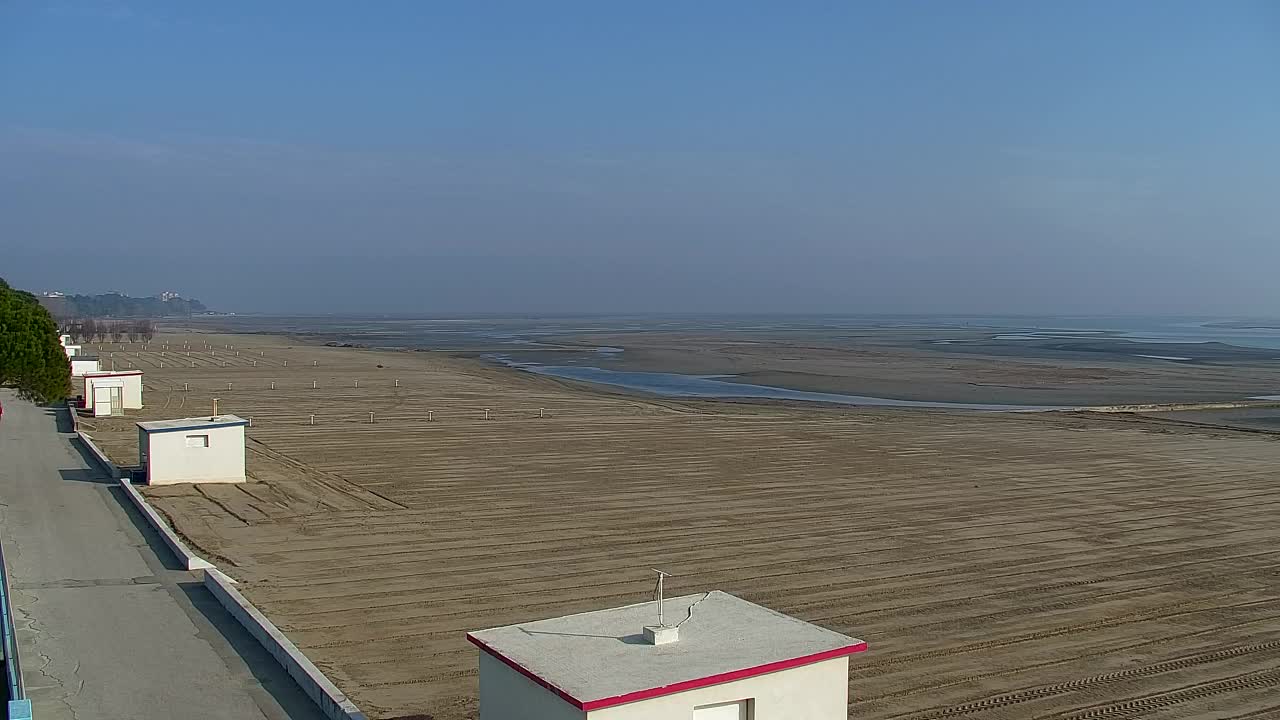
<point x="77" y="583"/>
<point x="40" y="636"/>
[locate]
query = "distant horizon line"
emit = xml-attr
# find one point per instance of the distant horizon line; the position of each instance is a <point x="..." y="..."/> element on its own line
<point x="467" y="315"/>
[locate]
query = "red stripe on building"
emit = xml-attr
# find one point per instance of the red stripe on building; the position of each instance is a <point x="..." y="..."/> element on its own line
<point x="675" y="687"/>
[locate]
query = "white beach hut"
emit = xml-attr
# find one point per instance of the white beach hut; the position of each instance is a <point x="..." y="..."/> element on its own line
<point x="722" y="658"/>
<point x="193" y="450"/>
<point x="111" y="392"/>
<point x="82" y="365"/>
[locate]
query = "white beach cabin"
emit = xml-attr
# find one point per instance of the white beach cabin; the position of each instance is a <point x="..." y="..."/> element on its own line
<point x="193" y="450"/>
<point x="719" y="658"/>
<point x="111" y="392"/>
<point x="67" y="347"/>
<point x="82" y="365"/>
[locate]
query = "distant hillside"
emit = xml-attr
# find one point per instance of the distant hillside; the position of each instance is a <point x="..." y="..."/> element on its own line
<point x="115" y="305"/>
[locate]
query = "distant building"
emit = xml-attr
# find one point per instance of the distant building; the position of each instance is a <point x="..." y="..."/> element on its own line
<point x="82" y="365"/>
<point x="168" y="295"/>
<point x="722" y="658"/>
<point x="67" y="347"/>
<point x="192" y="450"/>
<point x="111" y="392"/>
<point x="52" y="294"/>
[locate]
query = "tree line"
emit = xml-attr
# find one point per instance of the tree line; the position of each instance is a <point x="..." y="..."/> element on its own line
<point x="120" y="306"/>
<point x="101" y="330"/>
<point x="31" y="358"/>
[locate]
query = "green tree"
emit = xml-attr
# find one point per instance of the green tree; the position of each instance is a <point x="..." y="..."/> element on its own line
<point x="31" y="358"/>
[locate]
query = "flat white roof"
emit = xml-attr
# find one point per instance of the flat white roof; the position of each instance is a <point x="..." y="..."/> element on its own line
<point x="600" y="659"/>
<point x="109" y="373"/>
<point x="196" y="423"/>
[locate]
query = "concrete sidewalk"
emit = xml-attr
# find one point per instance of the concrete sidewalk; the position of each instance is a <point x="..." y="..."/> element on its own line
<point x="108" y="625"/>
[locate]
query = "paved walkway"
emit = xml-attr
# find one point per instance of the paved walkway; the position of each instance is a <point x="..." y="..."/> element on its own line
<point x="108" y="625"/>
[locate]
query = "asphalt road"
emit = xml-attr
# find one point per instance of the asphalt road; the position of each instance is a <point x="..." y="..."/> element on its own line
<point x="109" y="626"/>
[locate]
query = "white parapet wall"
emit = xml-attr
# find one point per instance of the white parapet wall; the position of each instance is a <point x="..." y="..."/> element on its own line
<point x="171" y="540"/>
<point x="319" y="688"/>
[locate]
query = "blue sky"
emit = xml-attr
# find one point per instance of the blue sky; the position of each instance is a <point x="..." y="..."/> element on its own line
<point x="712" y="156"/>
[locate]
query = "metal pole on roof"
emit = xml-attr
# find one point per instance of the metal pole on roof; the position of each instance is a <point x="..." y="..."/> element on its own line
<point x="658" y="592"/>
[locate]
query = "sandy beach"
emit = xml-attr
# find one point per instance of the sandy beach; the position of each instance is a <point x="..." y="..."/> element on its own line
<point x="1000" y="565"/>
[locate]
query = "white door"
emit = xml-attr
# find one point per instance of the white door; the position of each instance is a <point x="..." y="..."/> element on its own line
<point x="722" y="711"/>
<point x="117" y="400"/>
<point x="102" y="401"/>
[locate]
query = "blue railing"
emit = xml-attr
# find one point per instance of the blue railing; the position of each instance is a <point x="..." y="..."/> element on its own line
<point x="19" y="706"/>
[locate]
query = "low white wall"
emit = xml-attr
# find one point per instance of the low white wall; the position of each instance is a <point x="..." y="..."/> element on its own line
<point x="332" y="702"/>
<point x="157" y="523"/>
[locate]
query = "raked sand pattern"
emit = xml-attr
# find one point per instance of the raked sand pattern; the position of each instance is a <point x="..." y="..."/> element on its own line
<point x="1000" y="566"/>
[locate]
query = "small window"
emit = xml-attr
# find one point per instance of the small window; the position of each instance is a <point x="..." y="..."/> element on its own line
<point x="197" y="441"/>
<point x="737" y="710"/>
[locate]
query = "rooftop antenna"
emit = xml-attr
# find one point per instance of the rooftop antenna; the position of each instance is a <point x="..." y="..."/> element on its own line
<point x="660" y="634"/>
<point x="657" y="594"/>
